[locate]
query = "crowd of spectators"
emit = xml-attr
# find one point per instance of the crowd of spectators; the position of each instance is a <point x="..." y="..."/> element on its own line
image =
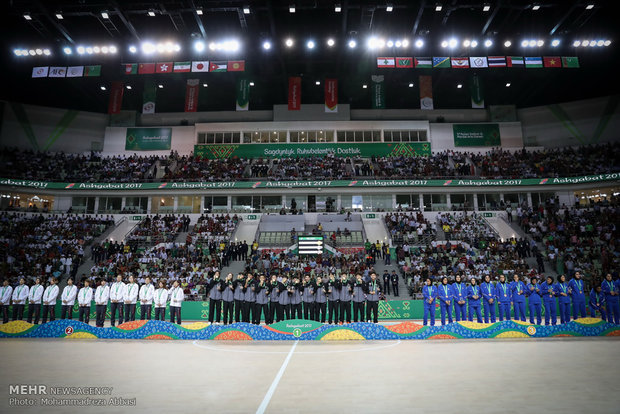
<point x="158" y="229"/>
<point x="470" y="228"/>
<point x="410" y="227"/>
<point x="193" y="168"/>
<point x="311" y="168"/>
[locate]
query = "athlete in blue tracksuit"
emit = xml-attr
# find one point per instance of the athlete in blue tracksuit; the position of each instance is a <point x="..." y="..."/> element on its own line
<point x="430" y="294"/>
<point x="473" y="297"/>
<point x="532" y="291"/>
<point x="459" y="291"/>
<point x="561" y="289"/>
<point x="518" y="297"/>
<point x="505" y="297"/>
<point x="610" y="290"/>
<point x="489" y="296"/>
<point x="578" y="295"/>
<point x="445" y="300"/>
<point x="548" y="291"/>
<point x="597" y="303"/>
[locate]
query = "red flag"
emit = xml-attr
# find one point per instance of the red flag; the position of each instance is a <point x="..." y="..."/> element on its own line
<point x="294" y="93"/>
<point x="116" y="98"/>
<point x="164" y="67"/>
<point x="236" y="65"/>
<point x="552" y="62"/>
<point x="146" y="68"/>
<point x="331" y="95"/>
<point x="191" y="95"/>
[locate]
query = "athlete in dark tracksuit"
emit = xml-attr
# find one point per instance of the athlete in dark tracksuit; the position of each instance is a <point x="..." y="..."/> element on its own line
<point x="532" y="291"/>
<point x="610" y="290"/>
<point x="284" y="300"/>
<point x="578" y="296"/>
<point x="296" y="300"/>
<point x="274" y="296"/>
<point x="227" y="299"/>
<point x="359" y="298"/>
<point x="518" y="298"/>
<point x="372" y="290"/>
<point x="597" y="303"/>
<point x="473" y="297"/>
<point x="445" y="300"/>
<point x="320" y="298"/>
<point x="249" y="298"/>
<point x="307" y="297"/>
<point x="459" y="291"/>
<point x="547" y="289"/>
<point x="561" y="290"/>
<point x="345" y="301"/>
<point x="504" y="294"/>
<point x="262" y="300"/>
<point x="215" y="287"/>
<point x="239" y="296"/>
<point x="333" y="298"/>
<point x="489" y="298"/>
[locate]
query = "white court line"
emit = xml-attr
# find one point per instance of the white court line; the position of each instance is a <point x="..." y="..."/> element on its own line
<point x="274" y="384"/>
<point x="243" y="351"/>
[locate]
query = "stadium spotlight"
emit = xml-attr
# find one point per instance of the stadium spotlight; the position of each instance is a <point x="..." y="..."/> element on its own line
<point x="389" y="7"/>
<point x="133" y="49"/>
<point x="438" y="7"/>
<point x="474" y="43"/>
<point x="96" y="49"/>
<point x="148" y="48"/>
<point x="246" y="9"/>
<point x="508" y="85"/>
<point x="576" y="43"/>
<point x="540" y="43"/>
<point x="459" y="86"/>
<point x="375" y="43"/>
<point x="592" y="43"/>
<point x="103" y="88"/>
<point x="266" y="45"/>
<point x="17" y="52"/>
<point x="532" y="43"/>
<point x="600" y="43"/>
<point x="488" y="43"/>
<point x="310" y="44"/>
<point x="317" y="83"/>
<point x="466" y="43"/>
<point x="199" y="46"/>
<point x="128" y="87"/>
<point x="398" y="43"/>
<point x="89" y="50"/>
<point x="251" y="83"/>
<point x="486" y="7"/>
<point x="27" y="16"/>
<point x="160" y="86"/>
<point x="585" y="43"/>
<point x="67" y="50"/>
<point x="32" y="52"/>
<point x="38" y="51"/>
<point x="105" y="50"/>
<point x="507" y="43"/>
<point x="365" y="86"/>
<point x="289" y="42"/>
<point x="453" y="43"/>
<point x="105" y="15"/>
<point x="81" y="50"/>
<point x="47" y="52"/>
<point x="405" y="42"/>
<point x="555" y="43"/>
<point x="411" y="85"/>
<point x="390" y="43"/>
<point x="419" y="43"/>
<point x="204" y="85"/>
<point x="59" y="16"/>
<point x="151" y="13"/>
<point x="444" y="44"/>
<point x="607" y="43"/>
<point x="338" y="8"/>
<point x="536" y="7"/>
<point x="352" y="44"/>
<point x="590" y="6"/>
<point x="199" y="11"/>
<point x="331" y="42"/>
<point x="291" y="8"/>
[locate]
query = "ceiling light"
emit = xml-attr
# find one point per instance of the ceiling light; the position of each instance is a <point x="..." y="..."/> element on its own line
<point x="199" y="46"/>
<point x="251" y="83"/>
<point x="419" y="43"/>
<point x="27" y="16"/>
<point x="607" y="42"/>
<point x="459" y="86"/>
<point x="289" y="42"/>
<point x="160" y="86"/>
<point x="600" y="43"/>
<point x="507" y="43"/>
<point x="589" y="6"/>
<point x="128" y="87"/>
<point x="389" y="7"/>
<point x="390" y="43"/>
<point x="67" y="50"/>
<point x="31" y="52"/>
<point x="585" y="43"/>
<point x="291" y="8"/>
<point x="337" y="8"/>
<point x="266" y="45"/>
<point x="199" y="11"/>
<point x="532" y="43"/>
<point x="405" y="43"/>
<point x="438" y="7"/>
<point x="466" y="43"/>
<point x="103" y="88"/>
<point x="474" y="43"/>
<point x="536" y="7"/>
<point x="204" y="85"/>
<point x="576" y="43"/>
<point x="330" y="42"/>
<point x="148" y="48"/>
<point x="246" y="9"/>
<point x="97" y="49"/>
<point x="59" y="16"/>
<point x="310" y="44"/>
<point x="524" y="43"/>
<point x="444" y="44"/>
<point x="508" y="85"/>
<point x="17" y="52"/>
<point x="81" y="50"/>
<point x="317" y="83"/>
<point x="151" y="13"/>
<point x="105" y="14"/>
<point x="488" y="43"/>
<point x="364" y="86"/>
<point x="411" y="85"/>
<point x="352" y="44"/>
<point x="452" y="43"/>
<point x="89" y="50"/>
<point x="592" y="43"/>
<point x="398" y="43"/>
<point x="133" y="49"/>
<point x="540" y="43"/>
<point x="555" y="43"/>
<point x="486" y="7"/>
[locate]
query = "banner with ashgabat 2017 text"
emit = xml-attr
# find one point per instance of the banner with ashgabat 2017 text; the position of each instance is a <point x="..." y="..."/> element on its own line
<point x="379" y="149"/>
<point x="148" y="139"/>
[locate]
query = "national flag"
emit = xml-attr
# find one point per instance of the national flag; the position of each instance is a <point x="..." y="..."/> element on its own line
<point x="441" y="62"/>
<point x="533" y="62"/>
<point x="57" y="72"/>
<point x="460" y="63"/>
<point x="131" y="68"/>
<point x="236" y="65"/>
<point x="164" y="67"/>
<point x="146" y="68"/>
<point x="552" y="62"/>
<point x="386" y="62"/>
<point x="200" y="66"/>
<point x="93" y="70"/>
<point x="75" y="71"/>
<point x="182" y="66"/>
<point x="40" y="71"/>
<point x="570" y="61"/>
<point x="404" y="62"/>
<point x="497" y="61"/>
<point x="478" y="62"/>
<point x="423" y="62"/>
<point x="514" y="61"/>
<point x="218" y="66"/>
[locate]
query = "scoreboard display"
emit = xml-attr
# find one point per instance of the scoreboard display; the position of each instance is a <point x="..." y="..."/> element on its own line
<point x="310" y="244"/>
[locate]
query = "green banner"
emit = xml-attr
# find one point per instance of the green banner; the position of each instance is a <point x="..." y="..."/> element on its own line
<point x="148" y="97"/>
<point x="8" y="182"/>
<point x="379" y="149"/>
<point x="378" y="92"/>
<point x="148" y="139"/>
<point x="477" y="98"/>
<point x="243" y="94"/>
<point x="476" y="135"/>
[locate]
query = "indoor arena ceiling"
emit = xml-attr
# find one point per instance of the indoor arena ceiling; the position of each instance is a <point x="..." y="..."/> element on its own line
<point x="59" y="24"/>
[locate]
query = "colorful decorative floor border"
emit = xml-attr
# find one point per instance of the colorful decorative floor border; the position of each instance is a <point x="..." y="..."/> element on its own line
<point x="307" y="330"/>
